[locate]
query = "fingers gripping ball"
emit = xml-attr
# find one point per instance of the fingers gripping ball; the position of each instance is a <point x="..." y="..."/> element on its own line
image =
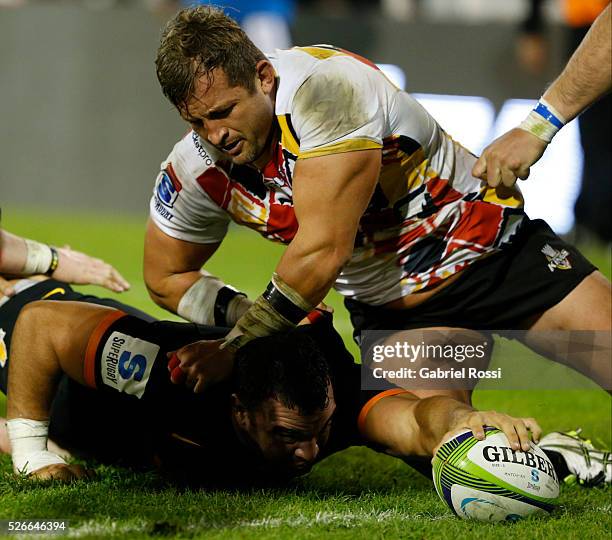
<point x="489" y="481"/>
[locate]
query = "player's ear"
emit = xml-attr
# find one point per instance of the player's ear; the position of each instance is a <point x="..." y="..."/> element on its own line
<point x="240" y="412"/>
<point x="266" y="76"/>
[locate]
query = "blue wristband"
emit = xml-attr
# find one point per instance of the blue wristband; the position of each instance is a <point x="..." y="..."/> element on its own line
<point x="545" y="113"/>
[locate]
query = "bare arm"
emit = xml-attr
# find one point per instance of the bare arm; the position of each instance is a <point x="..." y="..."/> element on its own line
<point x="585" y="79"/>
<point x="19" y="256"/>
<point x="12" y="253"/>
<point x="586" y="76"/>
<point x="171" y="266"/>
<point x="408" y="426"/>
<point x="330" y="194"/>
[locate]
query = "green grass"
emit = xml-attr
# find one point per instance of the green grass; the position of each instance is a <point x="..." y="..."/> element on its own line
<point x="355" y="494"/>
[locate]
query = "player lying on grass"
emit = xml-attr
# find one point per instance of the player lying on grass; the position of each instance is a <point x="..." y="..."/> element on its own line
<point x="293" y="399"/>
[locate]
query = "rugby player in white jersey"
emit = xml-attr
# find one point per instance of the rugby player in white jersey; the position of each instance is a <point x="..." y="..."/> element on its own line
<point x="98" y="371"/>
<point x="313" y="147"/>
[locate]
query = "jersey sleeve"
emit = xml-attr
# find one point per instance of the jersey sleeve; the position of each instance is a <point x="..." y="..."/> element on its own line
<point x="180" y="207"/>
<point x="337" y="109"/>
<point x="129" y="355"/>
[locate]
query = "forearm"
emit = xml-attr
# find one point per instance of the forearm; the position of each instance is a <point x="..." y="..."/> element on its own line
<point x="312" y="268"/>
<point x="435" y="416"/>
<point x="405" y="425"/>
<point x="13" y="253"/>
<point x="167" y="290"/>
<point x="587" y="75"/>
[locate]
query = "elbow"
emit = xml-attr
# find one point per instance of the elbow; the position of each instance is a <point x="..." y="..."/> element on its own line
<point x="156" y="294"/>
<point x="156" y="289"/>
<point x="332" y="259"/>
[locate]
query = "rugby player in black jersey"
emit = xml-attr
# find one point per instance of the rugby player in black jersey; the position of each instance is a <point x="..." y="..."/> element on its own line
<point x="99" y="371"/>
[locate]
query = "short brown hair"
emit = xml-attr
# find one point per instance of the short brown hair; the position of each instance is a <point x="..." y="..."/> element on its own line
<point x="194" y="43"/>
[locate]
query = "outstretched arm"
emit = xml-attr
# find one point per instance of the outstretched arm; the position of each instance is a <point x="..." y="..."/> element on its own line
<point x="49" y="338"/>
<point x="24" y="257"/>
<point x="585" y="79"/>
<point x="408" y="426"/>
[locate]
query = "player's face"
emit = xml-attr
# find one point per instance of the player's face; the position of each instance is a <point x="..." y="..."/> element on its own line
<point x="238" y="122"/>
<point x="287" y="440"/>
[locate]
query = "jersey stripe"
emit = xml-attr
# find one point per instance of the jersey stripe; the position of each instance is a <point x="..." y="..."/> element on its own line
<point x="289" y="139"/>
<point x="89" y="367"/>
<point x="361" y="420"/>
<point x="350" y="145"/>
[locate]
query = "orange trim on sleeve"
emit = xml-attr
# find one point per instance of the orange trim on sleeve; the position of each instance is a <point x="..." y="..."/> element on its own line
<point x="89" y="366"/>
<point x="373" y="401"/>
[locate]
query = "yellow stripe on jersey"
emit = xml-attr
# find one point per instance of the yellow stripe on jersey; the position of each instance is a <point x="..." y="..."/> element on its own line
<point x="514" y="199"/>
<point x="288" y="139"/>
<point x="350" y="145"/>
<point x="320" y="53"/>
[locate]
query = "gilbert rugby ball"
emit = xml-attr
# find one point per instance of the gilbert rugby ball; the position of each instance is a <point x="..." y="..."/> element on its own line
<point x="488" y="481"/>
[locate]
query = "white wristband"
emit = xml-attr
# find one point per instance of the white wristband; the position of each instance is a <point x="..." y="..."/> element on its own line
<point x="38" y="258"/>
<point x="199" y="302"/>
<point x="544" y="121"/>
<point x="29" y="445"/>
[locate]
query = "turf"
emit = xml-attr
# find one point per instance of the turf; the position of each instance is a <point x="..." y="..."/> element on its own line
<point x="354" y="494"/>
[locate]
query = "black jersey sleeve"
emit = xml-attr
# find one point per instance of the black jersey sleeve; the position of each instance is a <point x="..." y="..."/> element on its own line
<point x="128" y="355"/>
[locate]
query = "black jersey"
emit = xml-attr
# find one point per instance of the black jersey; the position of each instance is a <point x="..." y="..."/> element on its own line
<point x="131" y="413"/>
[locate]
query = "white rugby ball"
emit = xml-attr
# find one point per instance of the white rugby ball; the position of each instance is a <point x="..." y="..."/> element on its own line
<point x="489" y="481"/>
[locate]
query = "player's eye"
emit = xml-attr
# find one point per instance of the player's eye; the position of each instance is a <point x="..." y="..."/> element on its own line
<point x="223" y="113"/>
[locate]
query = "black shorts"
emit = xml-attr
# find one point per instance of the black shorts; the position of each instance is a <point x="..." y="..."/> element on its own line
<point x="500" y="292"/>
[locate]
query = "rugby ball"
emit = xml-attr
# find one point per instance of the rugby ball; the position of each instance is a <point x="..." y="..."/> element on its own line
<point x="489" y="481"/>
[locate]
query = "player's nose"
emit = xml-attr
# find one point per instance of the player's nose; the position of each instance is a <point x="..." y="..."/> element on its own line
<point x="307" y="451"/>
<point x="216" y="133"/>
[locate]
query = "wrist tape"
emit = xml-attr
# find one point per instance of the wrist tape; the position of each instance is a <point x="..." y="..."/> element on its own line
<point x="544" y="121"/>
<point x="210" y="301"/>
<point x="39" y="258"/>
<point x="279" y="309"/>
<point x="29" y="445"/>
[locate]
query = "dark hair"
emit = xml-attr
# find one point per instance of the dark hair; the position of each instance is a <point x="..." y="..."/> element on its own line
<point x="289" y="367"/>
<point x="194" y="43"/>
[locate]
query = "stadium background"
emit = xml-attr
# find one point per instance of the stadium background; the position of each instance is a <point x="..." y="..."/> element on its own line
<point x="84" y="128"/>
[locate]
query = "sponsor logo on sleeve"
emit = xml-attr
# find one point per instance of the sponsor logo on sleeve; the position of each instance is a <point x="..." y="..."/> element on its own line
<point x="168" y="186"/>
<point x="126" y="363"/>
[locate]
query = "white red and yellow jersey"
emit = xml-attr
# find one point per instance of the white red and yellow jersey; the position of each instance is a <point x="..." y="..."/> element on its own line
<point x="428" y="218"/>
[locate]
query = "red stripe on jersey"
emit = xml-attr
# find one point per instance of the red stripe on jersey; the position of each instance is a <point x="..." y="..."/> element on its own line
<point x="442" y="192"/>
<point x="217" y="185"/>
<point x="479" y="223"/>
<point x="89" y="366"/>
<point x="282" y="221"/>
<point x="175" y="181"/>
<point x="274" y="167"/>
<point x="360" y="58"/>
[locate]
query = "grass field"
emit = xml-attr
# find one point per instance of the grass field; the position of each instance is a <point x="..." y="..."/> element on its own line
<point x="354" y="494"/>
